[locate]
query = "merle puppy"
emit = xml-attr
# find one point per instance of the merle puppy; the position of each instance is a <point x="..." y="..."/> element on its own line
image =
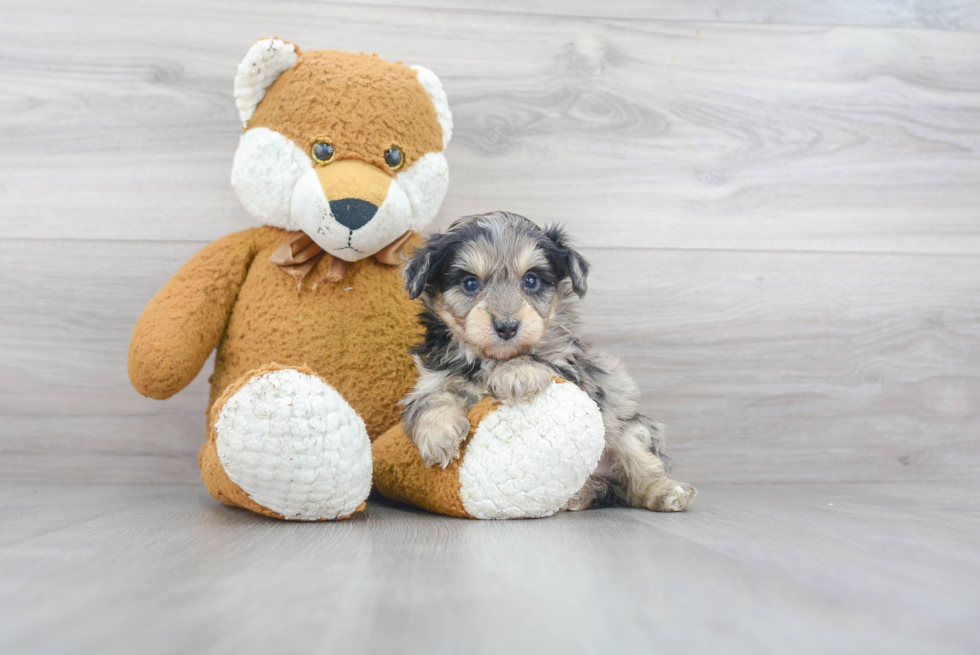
<point x="500" y="320"/>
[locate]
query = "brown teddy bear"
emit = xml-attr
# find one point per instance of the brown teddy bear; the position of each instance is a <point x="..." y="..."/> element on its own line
<point x="341" y="159"/>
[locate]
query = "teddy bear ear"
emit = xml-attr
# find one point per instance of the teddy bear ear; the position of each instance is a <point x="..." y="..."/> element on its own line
<point x="265" y="61"/>
<point x="433" y="87"/>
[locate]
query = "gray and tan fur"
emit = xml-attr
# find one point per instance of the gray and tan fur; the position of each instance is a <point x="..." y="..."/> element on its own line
<point x="500" y="319"/>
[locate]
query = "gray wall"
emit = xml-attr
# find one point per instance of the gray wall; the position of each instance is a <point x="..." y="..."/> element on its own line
<point x="781" y="201"/>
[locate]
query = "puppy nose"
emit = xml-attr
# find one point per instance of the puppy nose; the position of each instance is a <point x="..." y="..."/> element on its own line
<point x="506" y="330"/>
<point x="353" y="213"/>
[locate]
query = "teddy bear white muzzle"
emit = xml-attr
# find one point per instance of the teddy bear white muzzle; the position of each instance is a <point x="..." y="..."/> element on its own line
<point x="353" y="226"/>
<point x="279" y="185"/>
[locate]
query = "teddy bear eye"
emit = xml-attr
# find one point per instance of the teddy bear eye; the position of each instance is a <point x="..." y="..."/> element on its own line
<point x="394" y="158"/>
<point x="323" y="152"/>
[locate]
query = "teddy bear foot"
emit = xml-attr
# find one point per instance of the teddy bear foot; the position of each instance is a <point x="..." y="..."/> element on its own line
<point x="521" y="460"/>
<point x="285" y="443"/>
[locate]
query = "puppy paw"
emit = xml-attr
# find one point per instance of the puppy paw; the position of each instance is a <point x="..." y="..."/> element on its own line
<point x="577" y="503"/>
<point x="518" y="381"/>
<point x="671" y="496"/>
<point x="439" y="433"/>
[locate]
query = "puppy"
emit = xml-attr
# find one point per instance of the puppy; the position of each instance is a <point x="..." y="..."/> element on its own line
<point x="500" y="319"/>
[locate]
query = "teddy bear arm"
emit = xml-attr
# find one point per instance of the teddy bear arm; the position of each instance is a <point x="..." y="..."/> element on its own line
<point x="184" y="322"/>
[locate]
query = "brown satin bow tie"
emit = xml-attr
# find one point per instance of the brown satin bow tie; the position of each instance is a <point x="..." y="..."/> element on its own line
<point x="300" y="254"/>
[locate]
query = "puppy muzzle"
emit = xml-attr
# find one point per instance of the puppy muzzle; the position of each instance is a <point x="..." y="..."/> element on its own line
<point x="506" y="330"/>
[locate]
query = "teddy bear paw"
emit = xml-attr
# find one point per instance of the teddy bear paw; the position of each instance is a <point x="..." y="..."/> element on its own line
<point x="295" y="446"/>
<point x="529" y="459"/>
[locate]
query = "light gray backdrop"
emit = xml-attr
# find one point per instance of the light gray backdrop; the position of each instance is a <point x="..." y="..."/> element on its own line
<point x="781" y="201"/>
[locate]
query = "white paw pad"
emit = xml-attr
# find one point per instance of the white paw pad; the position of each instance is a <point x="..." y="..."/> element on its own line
<point x="295" y="446"/>
<point x="528" y="459"/>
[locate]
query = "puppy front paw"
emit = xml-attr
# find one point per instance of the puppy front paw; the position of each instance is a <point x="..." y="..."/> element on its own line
<point x="439" y="433"/>
<point x="518" y="381"/>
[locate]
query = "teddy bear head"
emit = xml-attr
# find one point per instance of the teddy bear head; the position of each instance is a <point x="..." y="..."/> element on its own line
<point x="346" y="147"/>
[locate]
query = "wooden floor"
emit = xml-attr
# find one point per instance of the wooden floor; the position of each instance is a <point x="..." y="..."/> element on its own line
<point x="792" y="568"/>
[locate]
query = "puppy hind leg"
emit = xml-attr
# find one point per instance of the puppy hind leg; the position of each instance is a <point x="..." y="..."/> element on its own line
<point x="597" y="492"/>
<point x="644" y="471"/>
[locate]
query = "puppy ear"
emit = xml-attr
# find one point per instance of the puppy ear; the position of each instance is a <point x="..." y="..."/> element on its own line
<point x="573" y="264"/>
<point x="416" y="272"/>
<point x="429" y="262"/>
<point x="578" y="272"/>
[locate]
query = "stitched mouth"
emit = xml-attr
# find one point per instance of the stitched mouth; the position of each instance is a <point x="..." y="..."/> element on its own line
<point x="350" y="237"/>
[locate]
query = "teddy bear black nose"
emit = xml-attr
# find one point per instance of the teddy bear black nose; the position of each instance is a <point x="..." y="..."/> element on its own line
<point x="505" y="330"/>
<point x="353" y="213"/>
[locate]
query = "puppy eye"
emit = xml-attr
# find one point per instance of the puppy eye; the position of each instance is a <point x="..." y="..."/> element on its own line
<point x="531" y="282"/>
<point x="470" y="284"/>
<point x="394" y="158"/>
<point x="322" y="152"/>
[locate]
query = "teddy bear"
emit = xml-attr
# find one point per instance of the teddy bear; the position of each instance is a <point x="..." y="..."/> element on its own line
<point x="341" y="159"/>
<point x="524" y="460"/>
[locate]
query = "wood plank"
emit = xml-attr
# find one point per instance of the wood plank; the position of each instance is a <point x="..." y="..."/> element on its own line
<point x="835" y="367"/>
<point x="636" y="133"/>
<point x="33" y="510"/>
<point x="764" y="366"/>
<point x="928" y="14"/>
<point x="751" y="568"/>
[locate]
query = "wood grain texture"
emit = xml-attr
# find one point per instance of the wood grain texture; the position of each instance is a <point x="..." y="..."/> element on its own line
<point x="33" y="510"/>
<point x="782" y="218"/>
<point x="764" y="366"/>
<point x="118" y="123"/>
<point x="750" y="569"/>
<point x="927" y="14"/>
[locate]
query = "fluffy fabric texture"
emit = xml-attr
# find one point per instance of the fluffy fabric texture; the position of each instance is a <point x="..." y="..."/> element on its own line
<point x="400" y="474"/>
<point x="354" y="333"/>
<point x="409" y="201"/>
<point x="294" y="445"/>
<point x="519" y="461"/>
<point x="527" y="460"/>
<point x="264" y="62"/>
<point x="196" y="302"/>
<point x="360" y="103"/>
<point x="213" y="471"/>
<point x="312" y="212"/>
<point x="434" y="88"/>
<point x="425" y="184"/>
<point x="265" y="171"/>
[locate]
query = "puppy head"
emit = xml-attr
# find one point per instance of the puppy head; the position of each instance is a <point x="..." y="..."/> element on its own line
<point x="496" y="280"/>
